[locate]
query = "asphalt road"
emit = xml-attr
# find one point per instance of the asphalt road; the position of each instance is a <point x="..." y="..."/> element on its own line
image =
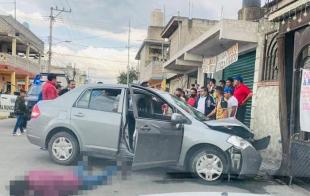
<point x="18" y="157"/>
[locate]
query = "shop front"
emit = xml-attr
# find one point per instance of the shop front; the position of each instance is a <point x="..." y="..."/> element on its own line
<point x="243" y="67"/>
<point x="233" y="62"/>
<point x="13" y="79"/>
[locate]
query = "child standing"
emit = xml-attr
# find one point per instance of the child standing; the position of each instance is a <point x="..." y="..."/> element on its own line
<point x="20" y="111"/>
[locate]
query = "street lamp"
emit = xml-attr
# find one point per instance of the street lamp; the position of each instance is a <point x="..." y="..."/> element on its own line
<point x="65" y="41"/>
<point x="50" y="53"/>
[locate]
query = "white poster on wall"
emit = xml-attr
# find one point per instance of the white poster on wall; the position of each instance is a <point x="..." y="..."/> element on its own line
<point x="305" y="101"/>
<point x="221" y="61"/>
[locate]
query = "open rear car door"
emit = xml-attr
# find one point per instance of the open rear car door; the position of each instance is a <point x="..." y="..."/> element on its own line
<point x="157" y="140"/>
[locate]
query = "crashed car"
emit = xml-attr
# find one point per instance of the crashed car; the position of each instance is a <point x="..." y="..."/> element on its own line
<point x="153" y="128"/>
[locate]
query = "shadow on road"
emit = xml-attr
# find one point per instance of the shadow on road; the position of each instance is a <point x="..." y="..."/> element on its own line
<point x="169" y="176"/>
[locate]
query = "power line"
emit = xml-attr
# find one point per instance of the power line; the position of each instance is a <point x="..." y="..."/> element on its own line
<point x="88" y="57"/>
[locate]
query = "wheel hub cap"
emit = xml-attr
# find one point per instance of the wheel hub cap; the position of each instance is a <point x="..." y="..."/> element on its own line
<point x="62" y="148"/>
<point x="209" y="167"/>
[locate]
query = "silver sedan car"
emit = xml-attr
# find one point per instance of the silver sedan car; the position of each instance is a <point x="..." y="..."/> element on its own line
<point x="150" y="127"/>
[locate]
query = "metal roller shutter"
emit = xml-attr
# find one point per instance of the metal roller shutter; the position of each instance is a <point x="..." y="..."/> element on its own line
<point x="245" y="67"/>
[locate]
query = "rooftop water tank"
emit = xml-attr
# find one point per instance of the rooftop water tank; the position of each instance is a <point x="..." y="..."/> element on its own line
<point x="251" y="3"/>
<point x="157" y="18"/>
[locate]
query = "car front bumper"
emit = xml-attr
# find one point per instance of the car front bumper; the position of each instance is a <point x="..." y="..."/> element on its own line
<point x="251" y="162"/>
<point x="246" y="162"/>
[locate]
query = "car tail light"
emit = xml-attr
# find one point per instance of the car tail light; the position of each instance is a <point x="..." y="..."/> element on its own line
<point x="35" y="111"/>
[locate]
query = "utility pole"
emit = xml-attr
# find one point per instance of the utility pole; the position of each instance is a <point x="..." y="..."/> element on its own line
<point x="189" y="9"/>
<point x="15" y="9"/>
<point x="128" y="66"/>
<point x="52" y="19"/>
<point x="179" y="30"/>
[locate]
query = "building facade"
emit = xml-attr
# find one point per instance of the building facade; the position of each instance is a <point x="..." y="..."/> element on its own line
<point x="282" y="67"/>
<point x="153" y="52"/>
<point x="236" y="47"/>
<point x="20" y="55"/>
<point x="72" y="73"/>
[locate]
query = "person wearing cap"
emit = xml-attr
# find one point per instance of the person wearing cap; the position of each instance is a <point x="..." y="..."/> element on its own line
<point x="232" y="102"/>
<point x="49" y="91"/>
<point x="243" y="94"/>
<point x="220" y="111"/>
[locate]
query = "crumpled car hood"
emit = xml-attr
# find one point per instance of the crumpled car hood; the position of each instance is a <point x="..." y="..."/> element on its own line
<point x="226" y="122"/>
<point x="231" y="126"/>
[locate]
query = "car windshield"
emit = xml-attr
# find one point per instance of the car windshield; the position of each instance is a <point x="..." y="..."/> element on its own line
<point x="35" y="90"/>
<point x="189" y="109"/>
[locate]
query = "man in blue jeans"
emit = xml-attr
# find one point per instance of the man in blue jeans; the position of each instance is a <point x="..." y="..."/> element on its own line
<point x="20" y="111"/>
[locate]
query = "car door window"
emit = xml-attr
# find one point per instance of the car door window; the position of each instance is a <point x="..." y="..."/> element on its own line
<point x="105" y="99"/>
<point x="152" y="107"/>
<point x="83" y="102"/>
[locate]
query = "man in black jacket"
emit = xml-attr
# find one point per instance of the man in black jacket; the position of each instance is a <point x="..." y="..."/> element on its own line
<point x="205" y="103"/>
<point x="70" y="87"/>
<point x="20" y="111"/>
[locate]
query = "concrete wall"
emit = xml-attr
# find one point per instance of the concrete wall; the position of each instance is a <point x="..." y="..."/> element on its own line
<point x="265" y="106"/>
<point x="154" y="33"/>
<point x="179" y="82"/>
<point x="189" y="31"/>
<point x="267" y="122"/>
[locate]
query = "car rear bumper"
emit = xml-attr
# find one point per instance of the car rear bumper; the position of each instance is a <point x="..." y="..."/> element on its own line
<point x="34" y="134"/>
<point x="34" y="140"/>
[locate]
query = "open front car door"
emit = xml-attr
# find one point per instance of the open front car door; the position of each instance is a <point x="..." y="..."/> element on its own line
<point x="157" y="140"/>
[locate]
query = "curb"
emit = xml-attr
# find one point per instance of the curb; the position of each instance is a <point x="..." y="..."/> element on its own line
<point x="3" y="117"/>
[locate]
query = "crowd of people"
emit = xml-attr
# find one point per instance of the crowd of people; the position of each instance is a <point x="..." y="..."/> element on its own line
<point x="50" y="90"/>
<point x="226" y="100"/>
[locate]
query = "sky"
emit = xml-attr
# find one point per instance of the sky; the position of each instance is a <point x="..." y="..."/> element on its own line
<point x="98" y="29"/>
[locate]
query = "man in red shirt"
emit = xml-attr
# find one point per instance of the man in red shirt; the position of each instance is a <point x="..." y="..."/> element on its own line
<point x="49" y="91"/>
<point x="243" y="94"/>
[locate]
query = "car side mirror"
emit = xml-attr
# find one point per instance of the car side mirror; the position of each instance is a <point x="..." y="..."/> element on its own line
<point x="178" y="118"/>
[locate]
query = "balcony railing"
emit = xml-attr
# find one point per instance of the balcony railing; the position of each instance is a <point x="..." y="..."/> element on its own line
<point x="20" y="62"/>
<point x="153" y="71"/>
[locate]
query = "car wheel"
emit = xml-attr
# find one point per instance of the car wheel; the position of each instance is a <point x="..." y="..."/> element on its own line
<point x="208" y="164"/>
<point x="63" y="148"/>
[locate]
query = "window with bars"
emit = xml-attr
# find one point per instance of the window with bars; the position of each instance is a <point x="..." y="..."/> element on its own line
<point x="270" y="71"/>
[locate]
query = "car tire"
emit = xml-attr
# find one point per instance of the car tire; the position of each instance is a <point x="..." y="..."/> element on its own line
<point x="208" y="164"/>
<point x="63" y="148"/>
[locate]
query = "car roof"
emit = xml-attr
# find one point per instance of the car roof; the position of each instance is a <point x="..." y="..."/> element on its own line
<point x="163" y="93"/>
<point x="105" y="86"/>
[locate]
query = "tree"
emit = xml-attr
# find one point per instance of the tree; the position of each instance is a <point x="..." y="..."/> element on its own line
<point x="122" y="78"/>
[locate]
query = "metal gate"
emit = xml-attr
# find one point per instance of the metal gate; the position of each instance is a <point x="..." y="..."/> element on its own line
<point x="244" y="67"/>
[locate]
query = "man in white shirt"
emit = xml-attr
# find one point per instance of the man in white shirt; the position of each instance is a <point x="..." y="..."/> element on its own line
<point x="232" y="102"/>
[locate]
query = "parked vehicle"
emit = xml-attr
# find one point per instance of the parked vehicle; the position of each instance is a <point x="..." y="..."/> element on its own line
<point x="36" y="88"/>
<point x="151" y="127"/>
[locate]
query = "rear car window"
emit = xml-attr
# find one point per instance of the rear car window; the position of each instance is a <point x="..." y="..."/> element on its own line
<point x="83" y="102"/>
<point x="100" y="99"/>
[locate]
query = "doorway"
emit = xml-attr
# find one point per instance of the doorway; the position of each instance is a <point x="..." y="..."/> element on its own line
<point x="299" y="136"/>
